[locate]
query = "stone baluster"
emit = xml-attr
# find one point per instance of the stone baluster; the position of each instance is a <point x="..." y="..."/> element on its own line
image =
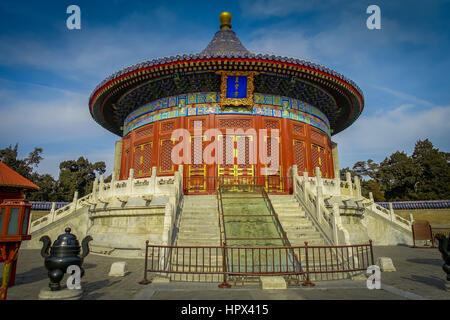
<point x="102" y="193"/>
<point x="306" y="185"/>
<point x="94" y="189"/>
<point x="294" y="177"/>
<point x="318" y="176"/>
<point x="391" y="211"/>
<point x="154" y="181"/>
<point x="180" y="177"/>
<point x="52" y="212"/>
<point x="176" y="183"/>
<point x="319" y="200"/>
<point x="371" y="196"/>
<point x="337" y="183"/>
<point x="129" y="189"/>
<point x="75" y="200"/>
<point x="112" y="185"/>
<point x="358" y="187"/>
<point x="167" y="224"/>
<point x="336" y="222"/>
<point x="180" y="170"/>
<point x="411" y="218"/>
<point x="349" y="182"/>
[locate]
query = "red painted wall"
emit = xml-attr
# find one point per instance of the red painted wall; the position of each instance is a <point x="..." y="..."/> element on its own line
<point x="149" y="145"/>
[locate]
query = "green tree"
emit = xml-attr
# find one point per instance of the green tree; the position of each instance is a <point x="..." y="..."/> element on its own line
<point x="434" y="176"/>
<point x="399" y="174"/>
<point x="47" y="191"/>
<point x="77" y="176"/>
<point x="74" y="175"/>
<point x="366" y="169"/>
<point x="22" y="166"/>
<point x="374" y="187"/>
<point x="425" y="175"/>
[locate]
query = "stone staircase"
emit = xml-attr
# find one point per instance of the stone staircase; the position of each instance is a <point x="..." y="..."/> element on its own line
<point x="199" y="226"/>
<point x="295" y="222"/>
<point x="199" y="223"/>
<point x="299" y="229"/>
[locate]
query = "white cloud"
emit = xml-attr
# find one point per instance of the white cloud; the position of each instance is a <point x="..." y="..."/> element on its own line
<point x="379" y="135"/>
<point x="58" y="116"/>
<point x="97" y="52"/>
<point x="404" y="96"/>
<point x="342" y="40"/>
<point x="56" y="120"/>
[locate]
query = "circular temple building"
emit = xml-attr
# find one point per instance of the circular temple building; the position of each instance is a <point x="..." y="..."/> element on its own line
<point x="263" y="113"/>
<point x="199" y="130"/>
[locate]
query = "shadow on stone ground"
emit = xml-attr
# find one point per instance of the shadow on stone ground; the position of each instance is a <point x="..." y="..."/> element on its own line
<point x="434" y="262"/>
<point x="432" y="281"/>
<point x="91" y="287"/>
<point x="38" y="274"/>
<point x="32" y="275"/>
<point x="88" y="265"/>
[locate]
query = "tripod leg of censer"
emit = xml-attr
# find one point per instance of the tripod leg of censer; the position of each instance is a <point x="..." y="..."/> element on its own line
<point x="5" y="282"/>
<point x="12" y="277"/>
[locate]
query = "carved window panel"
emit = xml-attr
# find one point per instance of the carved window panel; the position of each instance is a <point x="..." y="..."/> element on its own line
<point x="272" y="124"/>
<point x="235" y="123"/>
<point x="143" y="160"/>
<point x="226" y="151"/>
<point x="271" y="155"/>
<point x="197" y="123"/>
<point x="126" y="157"/>
<point x="138" y="158"/>
<point x="165" y="157"/>
<point x="167" y="126"/>
<point x="318" y="136"/>
<point x="244" y="151"/>
<point x="299" y="155"/>
<point x="147" y="163"/>
<point x="196" y="181"/>
<point x="198" y="145"/>
<point x="318" y="158"/>
<point x="145" y="132"/>
<point x="298" y="129"/>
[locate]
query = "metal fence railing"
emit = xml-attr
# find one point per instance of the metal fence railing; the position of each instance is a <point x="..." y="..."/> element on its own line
<point x="245" y="192"/>
<point x="300" y="262"/>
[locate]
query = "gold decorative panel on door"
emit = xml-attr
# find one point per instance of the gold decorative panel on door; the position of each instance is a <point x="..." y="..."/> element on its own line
<point x="235" y="159"/>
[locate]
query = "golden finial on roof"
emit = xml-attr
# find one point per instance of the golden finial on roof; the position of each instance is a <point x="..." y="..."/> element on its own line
<point x="225" y="21"/>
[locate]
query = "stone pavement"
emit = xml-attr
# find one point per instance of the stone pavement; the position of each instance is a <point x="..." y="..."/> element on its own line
<point x="419" y="275"/>
<point x="419" y="271"/>
<point x="343" y="290"/>
<point x="31" y="277"/>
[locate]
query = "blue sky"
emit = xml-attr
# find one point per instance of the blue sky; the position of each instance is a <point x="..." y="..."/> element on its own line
<point x="47" y="72"/>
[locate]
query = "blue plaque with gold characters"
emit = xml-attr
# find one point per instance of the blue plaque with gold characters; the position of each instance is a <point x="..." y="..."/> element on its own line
<point x="236" y="89"/>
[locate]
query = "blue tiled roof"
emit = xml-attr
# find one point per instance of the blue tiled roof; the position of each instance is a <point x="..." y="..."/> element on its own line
<point x="226" y="43"/>
<point x="412" y="205"/>
<point x="45" y="205"/>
